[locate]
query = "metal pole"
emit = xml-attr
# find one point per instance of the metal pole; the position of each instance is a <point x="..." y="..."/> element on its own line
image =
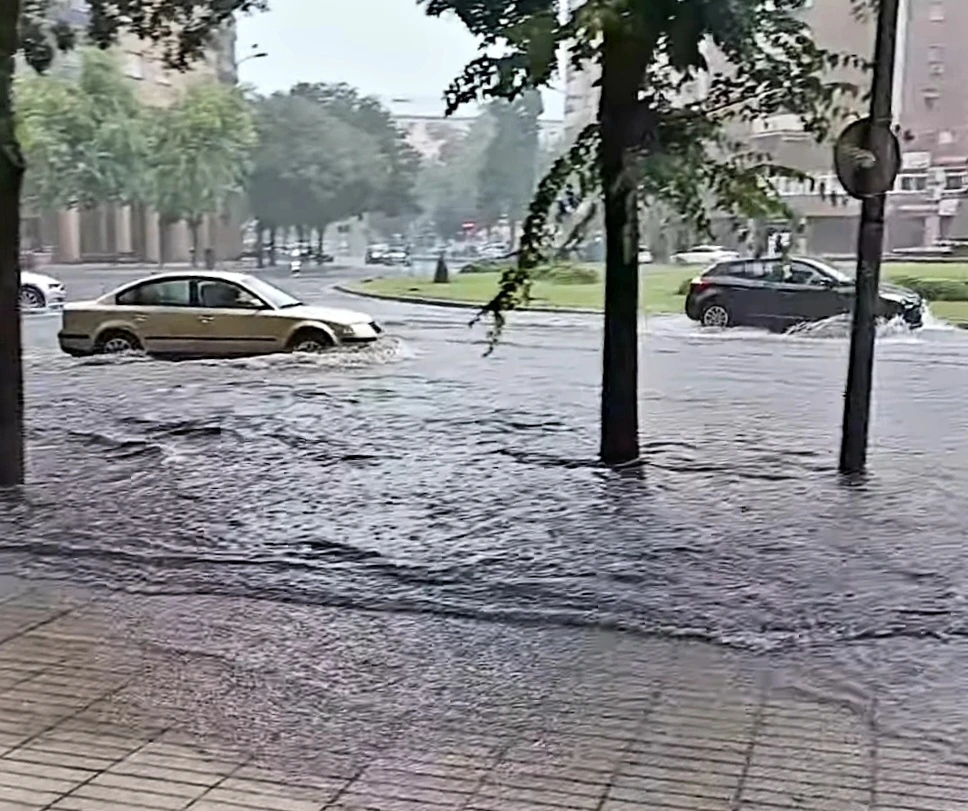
<point x="857" y="400"/>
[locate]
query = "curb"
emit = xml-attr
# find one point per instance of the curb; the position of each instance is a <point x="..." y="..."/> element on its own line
<point x="455" y="304"/>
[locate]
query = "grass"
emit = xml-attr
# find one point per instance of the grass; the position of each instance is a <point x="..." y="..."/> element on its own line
<point x="658" y="290"/>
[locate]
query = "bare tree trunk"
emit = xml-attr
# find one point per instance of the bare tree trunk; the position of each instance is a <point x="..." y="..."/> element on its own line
<point x="259" y="253"/>
<point x="272" y="246"/>
<point x="193" y="227"/>
<point x="11" y="181"/>
<point x="621" y="77"/>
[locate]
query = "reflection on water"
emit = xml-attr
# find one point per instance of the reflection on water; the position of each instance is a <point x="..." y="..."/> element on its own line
<point x="418" y="475"/>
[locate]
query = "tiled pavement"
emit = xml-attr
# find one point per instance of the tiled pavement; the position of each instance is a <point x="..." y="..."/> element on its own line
<point x="701" y="732"/>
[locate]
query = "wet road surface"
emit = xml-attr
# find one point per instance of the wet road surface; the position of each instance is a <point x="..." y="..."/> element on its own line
<point x="420" y="476"/>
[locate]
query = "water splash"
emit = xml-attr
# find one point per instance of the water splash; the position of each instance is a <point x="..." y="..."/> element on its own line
<point x="838" y="326"/>
<point x="932" y="322"/>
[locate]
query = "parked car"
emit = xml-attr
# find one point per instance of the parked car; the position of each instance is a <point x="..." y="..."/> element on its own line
<point x="777" y="293"/>
<point x="704" y="255"/>
<point x="40" y="292"/>
<point x="207" y="314"/>
<point x="645" y="256"/>
<point x="375" y="254"/>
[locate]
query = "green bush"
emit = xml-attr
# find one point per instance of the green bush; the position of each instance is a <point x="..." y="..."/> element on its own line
<point x="936" y="289"/>
<point x="555" y="273"/>
<point x="566" y="273"/>
<point x="684" y="287"/>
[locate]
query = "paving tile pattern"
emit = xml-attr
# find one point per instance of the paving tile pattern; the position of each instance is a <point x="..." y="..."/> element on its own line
<point x="694" y="733"/>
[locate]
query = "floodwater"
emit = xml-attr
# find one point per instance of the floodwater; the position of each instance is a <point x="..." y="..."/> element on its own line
<point x="420" y="476"/>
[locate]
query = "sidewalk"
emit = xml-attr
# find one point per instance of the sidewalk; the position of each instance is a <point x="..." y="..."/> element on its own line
<point x="98" y="711"/>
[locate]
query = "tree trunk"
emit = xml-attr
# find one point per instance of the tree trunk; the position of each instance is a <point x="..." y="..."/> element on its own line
<point x="259" y="254"/>
<point x="193" y="227"/>
<point x="11" y="181"/>
<point x="621" y="77"/>
<point x="272" y="247"/>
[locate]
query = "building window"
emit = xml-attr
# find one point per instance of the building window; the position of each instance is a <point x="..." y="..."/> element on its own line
<point x="913" y="182"/>
<point x="936" y="11"/>
<point x="946" y="137"/>
<point x="954" y="181"/>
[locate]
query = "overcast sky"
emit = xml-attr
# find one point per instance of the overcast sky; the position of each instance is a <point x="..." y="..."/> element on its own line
<point x="388" y="48"/>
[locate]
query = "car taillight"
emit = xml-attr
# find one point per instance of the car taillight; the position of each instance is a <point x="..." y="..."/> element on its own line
<point x="700" y="283"/>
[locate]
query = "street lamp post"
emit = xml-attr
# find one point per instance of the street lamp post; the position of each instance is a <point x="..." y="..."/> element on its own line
<point x="870" y="245"/>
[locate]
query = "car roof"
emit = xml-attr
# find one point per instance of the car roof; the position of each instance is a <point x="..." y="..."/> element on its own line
<point x="210" y="275"/>
<point x="809" y="260"/>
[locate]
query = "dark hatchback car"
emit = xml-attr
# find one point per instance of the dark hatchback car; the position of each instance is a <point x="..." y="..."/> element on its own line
<point x="778" y="293"/>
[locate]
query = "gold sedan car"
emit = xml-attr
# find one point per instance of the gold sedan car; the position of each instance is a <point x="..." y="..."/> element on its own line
<point x="207" y="314"/>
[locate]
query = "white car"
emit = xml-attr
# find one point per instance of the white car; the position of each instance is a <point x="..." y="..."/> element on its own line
<point x="704" y="255"/>
<point x="645" y="256"/>
<point x="40" y="292"/>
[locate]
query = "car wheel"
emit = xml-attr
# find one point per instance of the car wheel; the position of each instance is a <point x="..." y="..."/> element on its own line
<point x="31" y="298"/>
<point x="310" y="341"/>
<point x="117" y="342"/>
<point x="715" y="314"/>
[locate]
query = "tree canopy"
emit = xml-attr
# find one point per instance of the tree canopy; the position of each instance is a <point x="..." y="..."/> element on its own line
<point x="312" y="168"/>
<point x="697" y="66"/>
<point x="367" y="115"/>
<point x="449" y="186"/>
<point x="199" y="153"/>
<point x="508" y="171"/>
<point x="85" y="141"/>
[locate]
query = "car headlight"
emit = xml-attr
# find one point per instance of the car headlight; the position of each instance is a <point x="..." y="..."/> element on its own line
<point x="355" y="330"/>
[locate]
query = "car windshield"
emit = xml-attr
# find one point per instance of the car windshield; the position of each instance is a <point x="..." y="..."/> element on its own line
<point x="839" y="275"/>
<point x="270" y="293"/>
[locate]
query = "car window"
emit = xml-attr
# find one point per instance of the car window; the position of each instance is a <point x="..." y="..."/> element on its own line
<point x="167" y="293"/>
<point x="801" y="273"/>
<point x="756" y="270"/>
<point x="760" y="269"/>
<point x="225" y="295"/>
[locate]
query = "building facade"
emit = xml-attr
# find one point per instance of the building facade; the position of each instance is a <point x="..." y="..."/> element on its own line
<point x="427" y="135"/>
<point x="931" y="109"/>
<point x="134" y="233"/>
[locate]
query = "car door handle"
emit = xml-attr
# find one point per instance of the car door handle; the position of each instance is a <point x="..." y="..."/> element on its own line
<point x="205" y="319"/>
<point x="140" y="319"/>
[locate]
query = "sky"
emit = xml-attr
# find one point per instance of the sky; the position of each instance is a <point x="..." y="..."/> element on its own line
<point x="386" y="48"/>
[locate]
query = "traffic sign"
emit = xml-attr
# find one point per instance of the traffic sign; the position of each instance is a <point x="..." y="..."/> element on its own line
<point x="867" y="159"/>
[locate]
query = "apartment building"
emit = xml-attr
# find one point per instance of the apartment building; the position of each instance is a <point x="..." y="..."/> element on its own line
<point x="134" y="232"/>
<point x="927" y="203"/>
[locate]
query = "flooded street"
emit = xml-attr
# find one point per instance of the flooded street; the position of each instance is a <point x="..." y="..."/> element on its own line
<point x="420" y="476"/>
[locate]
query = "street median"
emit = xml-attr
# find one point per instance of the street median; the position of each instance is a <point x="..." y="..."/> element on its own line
<point x="568" y="287"/>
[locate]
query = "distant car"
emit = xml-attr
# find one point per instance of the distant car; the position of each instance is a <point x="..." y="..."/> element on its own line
<point x="645" y="256"/>
<point x="704" y="255"/>
<point x="397" y="256"/>
<point x="778" y="293"/>
<point x="40" y="292"/>
<point x="207" y="314"/>
<point x="375" y="254"/>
